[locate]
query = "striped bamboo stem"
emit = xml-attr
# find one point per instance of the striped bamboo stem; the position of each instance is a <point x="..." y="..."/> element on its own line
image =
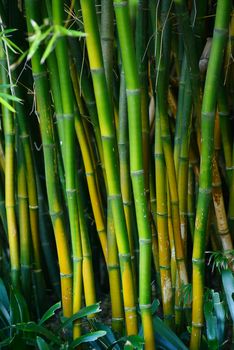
<point x="91" y="177"/>
<point x="162" y="83"/>
<point x="54" y="195"/>
<point x="105" y="115"/>
<point x="136" y="165"/>
<point x="24" y="226"/>
<point x="117" y="319"/>
<point x="208" y="114"/>
<point x="69" y="159"/>
<point x="125" y="179"/>
<point x="162" y="226"/>
<point x="9" y="137"/>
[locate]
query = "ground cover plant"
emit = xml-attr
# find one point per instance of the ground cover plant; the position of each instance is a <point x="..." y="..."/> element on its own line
<point x="116" y="174"/>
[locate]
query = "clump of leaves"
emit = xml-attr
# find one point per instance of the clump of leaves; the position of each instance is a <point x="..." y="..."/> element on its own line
<point x="221" y="260"/>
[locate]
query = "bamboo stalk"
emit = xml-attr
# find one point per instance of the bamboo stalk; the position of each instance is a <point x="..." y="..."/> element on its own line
<point x="9" y="135"/>
<point x="69" y="159"/>
<point x="136" y="165"/>
<point x="208" y="113"/>
<point x="105" y="115"/>
<point x="54" y="195"/>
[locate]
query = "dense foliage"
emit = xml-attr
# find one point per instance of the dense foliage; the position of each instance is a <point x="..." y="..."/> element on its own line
<point x="116" y="174"/>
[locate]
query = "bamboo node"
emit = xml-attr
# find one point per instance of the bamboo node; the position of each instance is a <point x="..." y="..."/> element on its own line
<point x="133" y="92"/>
<point x="113" y="267"/>
<point x="76" y="259"/>
<point x="97" y="70"/>
<point x="114" y="196"/>
<point x="205" y="190"/>
<point x="56" y="214"/>
<point x="126" y="256"/>
<point x="68" y="116"/>
<point x="120" y="4"/>
<point x="145" y="306"/>
<point x="117" y="318"/>
<point x="130" y="309"/>
<point x="137" y="172"/>
<point x="127" y="203"/>
<point x="197" y="325"/>
<point x="164" y="267"/>
<point x="33" y="207"/>
<point x="220" y="31"/>
<point x="65" y="275"/>
<point x="37" y="76"/>
<point x="198" y="260"/>
<point x="145" y="241"/>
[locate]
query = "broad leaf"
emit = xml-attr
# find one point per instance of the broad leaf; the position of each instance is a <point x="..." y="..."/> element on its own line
<point x="86" y="311"/>
<point x="18" y="307"/>
<point x="50" y="312"/>
<point x="32" y="327"/>
<point x="228" y="285"/>
<point x="41" y="344"/>
<point x="86" y="338"/>
<point x="3" y="295"/>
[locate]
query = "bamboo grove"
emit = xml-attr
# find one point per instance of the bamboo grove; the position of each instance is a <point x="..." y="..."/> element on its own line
<point x="117" y="157"/>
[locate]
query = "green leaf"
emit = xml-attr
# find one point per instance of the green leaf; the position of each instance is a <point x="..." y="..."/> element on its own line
<point x="211" y="326"/>
<point x="32" y="327"/>
<point x="85" y="311"/>
<point x="18" y="307"/>
<point x="87" y="338"/>
<point x="228" y="285"/>
<point x="164" y="333"/>
<point x="109" y="337"/>
<point x="41" y="343"/>
<point x="3" y="295"/>
<point x="5" y="314"/>
<point x="7" y="105"/>
<point x="12" y="46"/>
<point x="49" y="47"/>
<point x="220" y="315"/>
<point x="50" y="312"/>
<point x="6" y="342"/>
<point x="10" y="97"/>
<point x="70" y="32"/>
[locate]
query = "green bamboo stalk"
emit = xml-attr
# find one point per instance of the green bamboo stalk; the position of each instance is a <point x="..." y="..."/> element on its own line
<point x="117" y="319"/>
<point x="107" y="40"/>
<point x="162" y="226"/>
<point x="208" y="114"/>
<point x="105" y="116"/>
<point x="9" y="135"/>
<point x="24" y="226"/>
<point x="162" y="58"/>
<point x="54" y="195"/>
<point x="136" y="165"/>
<point x="69" y="160"/>
<point x="182" y="178"/>
<point x="125" y="180"/>
<point x="92" y="181"/>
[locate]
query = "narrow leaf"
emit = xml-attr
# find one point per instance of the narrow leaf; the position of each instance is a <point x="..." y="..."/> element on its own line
<point x="7" y="105"/>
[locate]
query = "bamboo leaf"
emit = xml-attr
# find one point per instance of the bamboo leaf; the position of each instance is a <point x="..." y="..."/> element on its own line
<point x="7" y="105"/>
<point x="228" y="285"/>
<point x="3" y="295"/>
<point x="18" y="307"/>
<point x="211" y="326"/>
<point x="70" y="32"/>
<point x="220" y="315"/>
<point x="10" y="97"/>
<point x="49" y="47"/>
<point x="88" y="310"/>
<point x="90" y="337"/>
<point x="41" y="343"/>
<point x="50" y="312"/>
<point x="32" y="327"/>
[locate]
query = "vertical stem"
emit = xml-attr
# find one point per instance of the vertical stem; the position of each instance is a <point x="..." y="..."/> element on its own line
<point x="207" y="149"/>
<point x="136" y="165"/>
